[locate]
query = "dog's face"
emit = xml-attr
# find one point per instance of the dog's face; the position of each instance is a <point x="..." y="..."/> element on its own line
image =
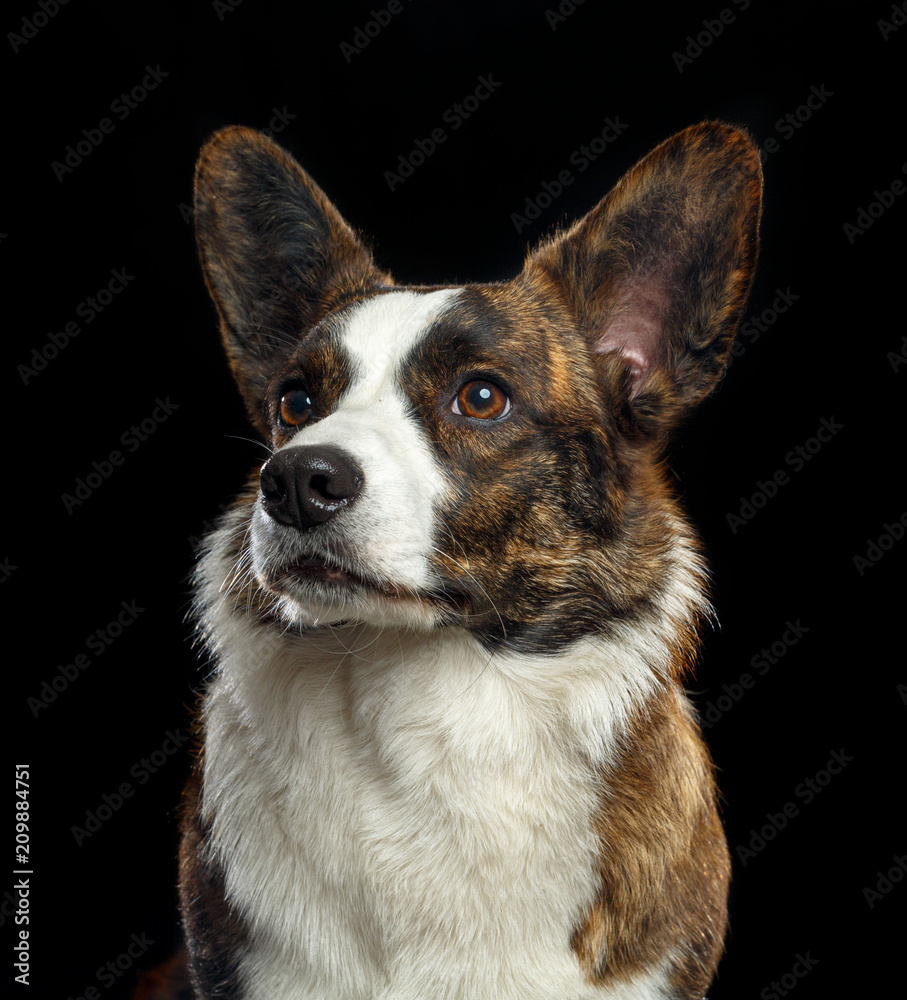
<point x="485" y="455"/>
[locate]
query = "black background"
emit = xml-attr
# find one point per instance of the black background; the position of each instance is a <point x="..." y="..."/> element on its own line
<point x="832" y="354"/>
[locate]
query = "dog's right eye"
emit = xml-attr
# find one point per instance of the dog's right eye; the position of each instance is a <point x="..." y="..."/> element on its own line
<point x="295" y="407"/>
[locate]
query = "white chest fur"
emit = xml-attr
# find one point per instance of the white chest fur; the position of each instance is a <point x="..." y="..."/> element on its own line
<point x="406" y="820"/>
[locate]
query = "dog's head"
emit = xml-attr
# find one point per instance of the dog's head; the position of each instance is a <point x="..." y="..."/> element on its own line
<point x="484" y="455"/>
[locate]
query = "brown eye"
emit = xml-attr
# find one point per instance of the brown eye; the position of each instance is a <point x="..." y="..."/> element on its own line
<point x="481" y="399"/>
<point x="295" y="407"/>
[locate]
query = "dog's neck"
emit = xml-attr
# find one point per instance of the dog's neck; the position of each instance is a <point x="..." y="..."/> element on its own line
<point x="343" y="764"/>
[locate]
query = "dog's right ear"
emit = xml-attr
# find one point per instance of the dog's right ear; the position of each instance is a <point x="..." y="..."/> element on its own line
<point x="276" y="254"/>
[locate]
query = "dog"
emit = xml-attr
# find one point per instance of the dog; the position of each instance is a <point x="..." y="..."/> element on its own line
<point x="446" y="751"/>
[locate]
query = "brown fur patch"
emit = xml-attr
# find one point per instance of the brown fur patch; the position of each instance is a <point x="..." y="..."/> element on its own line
<point x="664" y="864"/>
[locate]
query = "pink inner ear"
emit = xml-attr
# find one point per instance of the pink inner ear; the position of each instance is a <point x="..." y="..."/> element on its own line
<point x="636" y="328"/>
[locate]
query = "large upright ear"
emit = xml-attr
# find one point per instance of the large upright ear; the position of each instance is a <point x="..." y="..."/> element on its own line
<point x="658" y="272"/>
<point x="276" y="254"/>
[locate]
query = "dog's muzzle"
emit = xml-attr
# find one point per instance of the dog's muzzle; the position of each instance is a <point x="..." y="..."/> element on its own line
<point x="306" y="486"/>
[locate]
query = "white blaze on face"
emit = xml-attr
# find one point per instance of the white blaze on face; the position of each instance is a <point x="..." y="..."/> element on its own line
<point x="389" y="529"/>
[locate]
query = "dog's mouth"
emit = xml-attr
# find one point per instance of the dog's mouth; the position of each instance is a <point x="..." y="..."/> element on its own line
<point x="321" y="570"/>
<point x="330" y="578"/>
<point x="334" y="590"/>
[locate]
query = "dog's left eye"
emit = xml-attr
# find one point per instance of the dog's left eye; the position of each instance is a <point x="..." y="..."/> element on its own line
<point x="295" y="407"/>
<point x="481" y="399"/>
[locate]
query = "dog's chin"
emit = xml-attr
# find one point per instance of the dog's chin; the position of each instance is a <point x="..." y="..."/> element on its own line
<point x="313" y="592"/>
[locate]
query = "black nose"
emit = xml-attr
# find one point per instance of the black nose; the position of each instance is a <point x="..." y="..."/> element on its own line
<point x="305" y="486"/>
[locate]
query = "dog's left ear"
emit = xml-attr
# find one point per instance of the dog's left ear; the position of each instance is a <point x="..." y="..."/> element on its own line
<point x="658" y="273"/>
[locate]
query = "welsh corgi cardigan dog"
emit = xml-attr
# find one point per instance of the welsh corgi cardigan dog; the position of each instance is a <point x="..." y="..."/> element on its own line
<point x="447" y="754"/>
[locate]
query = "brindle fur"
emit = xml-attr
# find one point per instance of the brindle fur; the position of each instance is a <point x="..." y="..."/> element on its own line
<point x="563" y="513"/>
<point x="213" y="931"/>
